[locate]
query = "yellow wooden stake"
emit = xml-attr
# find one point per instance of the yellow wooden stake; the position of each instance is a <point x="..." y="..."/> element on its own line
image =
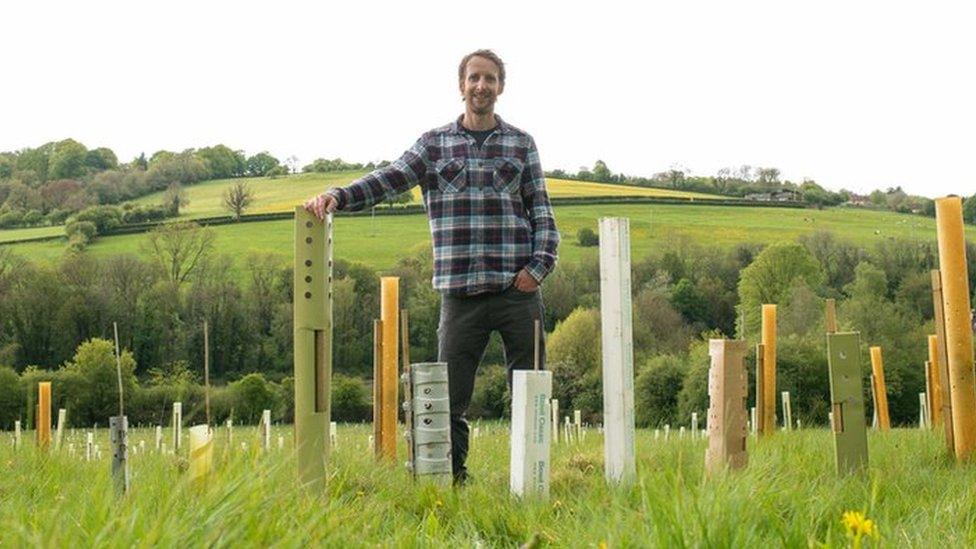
<point x="958" y="322"/>
<point x="769" y="369"/>
<point x="44" y="414"/>
<point x="881" y="404"/>
<point x="943" y="359"/>
<point x="935" y="380"/>
<point x="389" y="312"/>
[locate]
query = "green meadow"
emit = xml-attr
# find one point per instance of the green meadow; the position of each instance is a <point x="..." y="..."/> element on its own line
<point x="280" y="194"/>
<point x="381" y="240"/>
<point x="787" y="496"/>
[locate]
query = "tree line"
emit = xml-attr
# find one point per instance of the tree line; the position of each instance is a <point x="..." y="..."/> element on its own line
<point x="748" y="180"/>
<point x="683" y="293"/>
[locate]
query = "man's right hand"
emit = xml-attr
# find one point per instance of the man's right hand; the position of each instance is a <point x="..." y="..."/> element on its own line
<point x="321" y="205"/>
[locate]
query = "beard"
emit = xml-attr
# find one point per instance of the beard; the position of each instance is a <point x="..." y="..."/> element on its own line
<point x="481" y="108"/>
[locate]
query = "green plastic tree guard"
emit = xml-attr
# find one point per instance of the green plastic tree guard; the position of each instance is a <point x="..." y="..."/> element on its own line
<point x="313" y="345"/>
<point x="847" y="402"/>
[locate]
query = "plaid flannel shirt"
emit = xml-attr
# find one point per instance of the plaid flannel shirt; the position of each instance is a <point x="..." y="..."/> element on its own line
<point x="488" y="208"/>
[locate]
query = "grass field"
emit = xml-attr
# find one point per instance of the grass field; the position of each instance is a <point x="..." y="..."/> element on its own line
<point x="788" y="496"/>
<point x="381" y="241"/>
<point x="282" y="193"/>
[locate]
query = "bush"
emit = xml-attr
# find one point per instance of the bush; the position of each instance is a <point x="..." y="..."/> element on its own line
<point x="32" y="218"/>
<point x="491" y="398"/>
<point x="587" y="238"/>
<point x="90" y="381"/>
<point x="656" y="391"/>
<point x="11" y="219"/>
<point x="350" y="399"/>
<point x="251" y="395"/>
<point x="12" y="398"/>
<point x="573" y="352"/>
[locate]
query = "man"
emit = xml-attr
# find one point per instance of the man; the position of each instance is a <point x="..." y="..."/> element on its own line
<point x="494" y="234"/>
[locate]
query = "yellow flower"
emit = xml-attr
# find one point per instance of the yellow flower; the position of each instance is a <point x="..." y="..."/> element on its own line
<point x="603" y="544"/>
<point x="858" y="526"/>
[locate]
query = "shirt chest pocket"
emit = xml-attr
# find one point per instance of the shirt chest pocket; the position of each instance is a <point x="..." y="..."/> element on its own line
<point x="452" y="175"/>
<point x="507" y="174"/>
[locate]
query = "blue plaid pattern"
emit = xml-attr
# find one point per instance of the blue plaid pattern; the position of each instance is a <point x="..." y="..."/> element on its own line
<point x="488" y="207"/>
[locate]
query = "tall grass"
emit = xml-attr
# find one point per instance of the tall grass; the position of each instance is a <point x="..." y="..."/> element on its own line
<point x="789" y="496"/>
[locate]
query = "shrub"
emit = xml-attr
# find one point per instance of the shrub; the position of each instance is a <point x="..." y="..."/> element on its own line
<point x="656" y="391"/>
<point x="12" y="397"/>
<point x="491" y="398"/>
<point x="350" y="399"/>
<point x="251" y="395"/>
<point x="587" y="238"/>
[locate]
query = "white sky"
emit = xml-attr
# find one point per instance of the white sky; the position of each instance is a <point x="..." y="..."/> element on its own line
<point x="859" y="95"/>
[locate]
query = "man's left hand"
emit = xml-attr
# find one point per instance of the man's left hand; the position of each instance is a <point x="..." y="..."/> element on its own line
<point x="524" y="282"/>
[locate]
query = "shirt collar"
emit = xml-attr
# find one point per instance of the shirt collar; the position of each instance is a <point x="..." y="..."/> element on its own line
<point x="502" y="127"/>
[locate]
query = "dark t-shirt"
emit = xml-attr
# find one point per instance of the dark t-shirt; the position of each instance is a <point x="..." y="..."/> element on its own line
<point x="479" y="136"/>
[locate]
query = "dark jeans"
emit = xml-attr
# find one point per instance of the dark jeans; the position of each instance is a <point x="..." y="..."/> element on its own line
<point x="465" y="325"/>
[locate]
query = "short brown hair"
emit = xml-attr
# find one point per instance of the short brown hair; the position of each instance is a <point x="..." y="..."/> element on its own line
<point x="487" y="54"/>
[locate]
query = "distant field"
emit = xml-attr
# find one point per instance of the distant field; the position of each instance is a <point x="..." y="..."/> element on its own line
<point x="18" y="234"/>
<point x="381" y="241"/>
<point x="282" y="193"/>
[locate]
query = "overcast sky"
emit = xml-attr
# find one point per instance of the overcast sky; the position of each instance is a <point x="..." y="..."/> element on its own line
<point x="859" y="95"/>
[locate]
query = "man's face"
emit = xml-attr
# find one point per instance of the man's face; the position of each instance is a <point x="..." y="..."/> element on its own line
<point x="480" y="85"/>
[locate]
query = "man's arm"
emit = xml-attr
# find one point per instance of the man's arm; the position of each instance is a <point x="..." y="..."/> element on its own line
<point x="377" y="186"/>
<point x="545" y="237"/>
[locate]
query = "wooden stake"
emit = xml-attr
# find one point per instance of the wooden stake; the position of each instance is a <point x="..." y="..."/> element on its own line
<point x="934" y="380"/>
<point x="831" y="316"/>
<point x="958" y="323"/>
<point x="378" y="409"/>
<point x="877" y="367"/>
<point x="389" y="310"/>
<point x="44" y="414"/>
<point x="206" y="370"/>
<point x="769" y="368"/>
<point x="760" y="427"/>
<point x="943" y="359"/>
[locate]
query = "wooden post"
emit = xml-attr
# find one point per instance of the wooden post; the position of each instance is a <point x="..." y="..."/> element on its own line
<point x="201" y="453"/>
<point x="769" y="368"/>
<point x="847" y="402"/>
<point x="958" y="322"/>
<point x="928" y="391"/>
<point x="830" y="316"/>
<point x="942" y="358"/>
<point x="389" y="309"/>
<point x="877" y="367"/>
<point x="206" y="370"/>
<point x="760" y="426"/>
<point x="727" y="392"/>
<point x="378" y="410"/>
<point x="618" y="351"/>
<point x="313" y="345"/>
<point x="934" y="380"/>
<point x="44" y="414"/>
<point x="555" y="420"/>
<point x="787" y="411"/>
